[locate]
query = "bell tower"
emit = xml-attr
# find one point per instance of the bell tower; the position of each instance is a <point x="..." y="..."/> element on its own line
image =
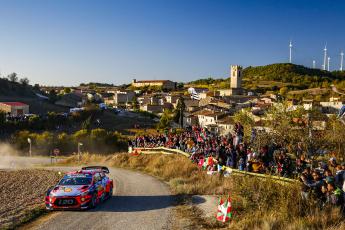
<point x="236" y="79"/>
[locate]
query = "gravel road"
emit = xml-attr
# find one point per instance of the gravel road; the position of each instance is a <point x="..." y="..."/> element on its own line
<point x="139" y="202"/>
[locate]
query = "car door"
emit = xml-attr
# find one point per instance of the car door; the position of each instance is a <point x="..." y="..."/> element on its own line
<point x="98" y="184"/>
<point x="104" y="181"/>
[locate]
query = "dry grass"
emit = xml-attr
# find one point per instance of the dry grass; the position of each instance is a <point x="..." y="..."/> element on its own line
<point x="258" y="203"/>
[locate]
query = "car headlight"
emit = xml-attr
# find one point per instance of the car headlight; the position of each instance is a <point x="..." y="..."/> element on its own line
<point x="84" y="193"/>
<point x="84" y="196"/>
<point x="50" y="197"/>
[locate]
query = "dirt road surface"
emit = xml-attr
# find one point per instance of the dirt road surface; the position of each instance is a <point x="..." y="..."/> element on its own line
<point x="139" y="202"/>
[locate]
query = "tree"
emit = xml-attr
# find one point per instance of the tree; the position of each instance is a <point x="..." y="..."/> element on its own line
<point x="36" y="87"/>
<point x="21" y="139"/>
<point x="12" y="77"/>
<point x="81" y="136"/>
<point x="63" y="141"/>
<point x="2" y="117"/>
<point x="52" y="96"/>
<point x="35" y="122"/>
<point x="281" y="121"/>
<point x="287" y="127"/>
<point x="135" y="103"/>
<point x="180" y="85"/>
<point x="165" y="120"/>
<point x="44" y="141"/>
<point x="24" y="81"/>
<point x="180" y="108"/>
<point x="246" y="121"/>
<point x="87" y="123"/>
<point x="283" y="91"/>
<point x="335" y="134"/>
<point x="67" y="90"/>
<point x="98" y="135"/>
<point x="325" y="84"/>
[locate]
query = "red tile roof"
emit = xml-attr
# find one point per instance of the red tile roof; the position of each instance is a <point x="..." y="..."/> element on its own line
<point x="208" y="113"/>
<point x="13" y="103"/>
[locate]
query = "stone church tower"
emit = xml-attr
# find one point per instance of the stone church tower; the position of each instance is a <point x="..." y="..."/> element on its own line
<point x="236" y="80"/>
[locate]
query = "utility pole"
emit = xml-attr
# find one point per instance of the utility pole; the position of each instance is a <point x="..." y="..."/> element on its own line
<point x="79" y="145"/>
<point x="29" y="141"/>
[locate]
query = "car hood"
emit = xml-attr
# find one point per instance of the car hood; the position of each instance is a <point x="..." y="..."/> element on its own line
<point x="69" y="190"/>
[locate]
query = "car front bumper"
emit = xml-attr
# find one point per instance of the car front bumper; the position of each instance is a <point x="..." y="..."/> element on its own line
<point x="80" y="203"/>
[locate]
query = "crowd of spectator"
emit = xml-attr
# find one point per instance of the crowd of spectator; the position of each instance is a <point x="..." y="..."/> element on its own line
<point x="212" y="152"/>
<point x="230" y="151"/>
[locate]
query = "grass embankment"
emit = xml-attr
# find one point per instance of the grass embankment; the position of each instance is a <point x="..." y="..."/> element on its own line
<point x="22" y="195"/>
<point x="258" y="203"/>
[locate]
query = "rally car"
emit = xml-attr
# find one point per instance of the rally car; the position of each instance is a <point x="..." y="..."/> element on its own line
<point x="81" y="189"/>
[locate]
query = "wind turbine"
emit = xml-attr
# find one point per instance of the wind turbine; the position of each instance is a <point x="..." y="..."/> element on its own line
<point x="290" y="49"/>
<point x="325" y="57"/>
<point x="328" y="60"/>
<point x="314" y="62"/>
<point x="341" y="60"/>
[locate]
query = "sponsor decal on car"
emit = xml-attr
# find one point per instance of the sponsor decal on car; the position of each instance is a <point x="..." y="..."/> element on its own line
<point x="68" y="190"/>
<point x="78" y="175"/>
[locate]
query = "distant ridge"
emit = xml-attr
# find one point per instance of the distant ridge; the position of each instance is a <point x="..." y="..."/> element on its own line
<point x="286" y="71"/>
<point x="298" y="76"/>
<point x="9" y="88"/>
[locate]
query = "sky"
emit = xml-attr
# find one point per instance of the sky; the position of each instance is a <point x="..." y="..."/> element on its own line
<point x="68" y="42"/>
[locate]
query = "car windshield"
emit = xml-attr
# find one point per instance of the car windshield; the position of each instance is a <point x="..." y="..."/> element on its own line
<point x="75" y="180"/>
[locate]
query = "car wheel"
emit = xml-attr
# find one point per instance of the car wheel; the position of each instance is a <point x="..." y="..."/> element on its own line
<point x="110" y="193"/>
<point x="93" y="202"/>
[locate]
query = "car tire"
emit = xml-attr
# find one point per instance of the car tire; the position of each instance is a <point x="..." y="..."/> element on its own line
<point x="110" y="193"/>
<point x="93" y="202"/>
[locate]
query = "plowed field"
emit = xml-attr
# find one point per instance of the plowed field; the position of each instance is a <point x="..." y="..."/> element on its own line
<point x="22" y="194"/>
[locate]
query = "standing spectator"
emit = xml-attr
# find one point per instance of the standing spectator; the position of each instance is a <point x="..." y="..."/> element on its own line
<point x="221" y="156"/>
<point x="231" y="156"/>
<point x="299" y="150"/>
<point x="253" y="136"/>
<point x="339" y="177"/>
<point x="242" y="154"/>
<point x="335" y="196"/>
<point x="332" y="164"/>
<point x="315" y="185"/>
<point x="238" y="134"/>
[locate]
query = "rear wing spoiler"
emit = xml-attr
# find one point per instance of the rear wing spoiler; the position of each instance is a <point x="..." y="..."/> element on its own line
<point x="103" y="168"/>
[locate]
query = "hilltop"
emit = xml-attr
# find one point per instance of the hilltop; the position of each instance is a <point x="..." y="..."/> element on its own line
<point x="13" y="88"/>
<point x="22" y="91"/>
<point x="276" y="76"/>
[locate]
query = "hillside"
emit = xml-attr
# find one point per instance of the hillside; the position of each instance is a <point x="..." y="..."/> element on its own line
<point x="300" y="75"/>
<point x="284" y="72"/>
<point x="280" y="75"/>
<point x="15" y="91"/>
<point x="10" y="88"/>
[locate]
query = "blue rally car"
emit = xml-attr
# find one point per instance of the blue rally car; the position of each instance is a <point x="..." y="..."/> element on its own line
<point x="81" y="189"/>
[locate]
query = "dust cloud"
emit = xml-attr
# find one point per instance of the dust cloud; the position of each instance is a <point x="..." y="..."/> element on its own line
<point x="9" y="157"/>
